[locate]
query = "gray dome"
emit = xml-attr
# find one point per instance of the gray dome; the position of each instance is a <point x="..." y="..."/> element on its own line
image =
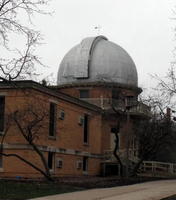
<point x="96" y="59"/>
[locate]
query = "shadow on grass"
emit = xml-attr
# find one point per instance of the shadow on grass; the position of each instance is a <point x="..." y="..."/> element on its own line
<point x="26" y="190"/>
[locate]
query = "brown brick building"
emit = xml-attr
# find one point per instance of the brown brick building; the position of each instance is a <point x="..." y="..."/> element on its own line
<point x="75" y="135"/>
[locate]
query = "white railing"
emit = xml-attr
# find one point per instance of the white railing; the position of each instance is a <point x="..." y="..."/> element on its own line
<point x="158" y="167"/>
<point x="149" y="168"/>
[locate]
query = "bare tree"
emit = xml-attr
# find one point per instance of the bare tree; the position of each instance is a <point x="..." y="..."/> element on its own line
<point x="30" y="122"/>
<point x="122" y="109"/>
<point x="150" y="133"/>
<point x="153" y="135"/>
<point x="22" y="62"/>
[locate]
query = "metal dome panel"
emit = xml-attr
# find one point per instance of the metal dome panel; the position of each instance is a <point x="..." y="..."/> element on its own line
<point x="97" y="59"/>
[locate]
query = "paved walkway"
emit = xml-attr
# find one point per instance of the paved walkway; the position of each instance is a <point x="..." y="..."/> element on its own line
<point x="145" y="191"/>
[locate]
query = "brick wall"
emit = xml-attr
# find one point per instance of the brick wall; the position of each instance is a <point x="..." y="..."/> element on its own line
<point x="69" y="134"/>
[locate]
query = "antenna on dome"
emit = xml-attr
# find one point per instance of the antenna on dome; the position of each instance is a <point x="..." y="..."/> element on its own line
<point x="98" y="28"/>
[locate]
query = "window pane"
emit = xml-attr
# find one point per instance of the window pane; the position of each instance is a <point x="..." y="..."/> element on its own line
<point x="52" y="120"/>
<point x="1" y="161"/>
<point x="86" y="129"/>
<point x="84" y="93"/>
<point x="85" y="163"/>
<point x="115" y="94"/>
<point x="2" y="112"/>
<point x="50" y="160"/>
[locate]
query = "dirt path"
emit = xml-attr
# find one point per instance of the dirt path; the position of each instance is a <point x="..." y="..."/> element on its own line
<point x="144" y="191"/>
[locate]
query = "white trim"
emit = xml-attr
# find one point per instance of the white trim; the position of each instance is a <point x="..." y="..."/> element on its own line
<point x="1" y="170"/>
<point x="3" y="93"/>
<point x="53" y="101"/>
<point x="53" y="149"/>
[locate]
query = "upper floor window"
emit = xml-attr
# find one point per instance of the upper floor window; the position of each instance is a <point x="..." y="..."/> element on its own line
<point x="115" y="94"/>
<point x="2" y="112"/>
<point x="131" y="100"/>
<point x="52" y="119"/>
<point x="84" y="93"/>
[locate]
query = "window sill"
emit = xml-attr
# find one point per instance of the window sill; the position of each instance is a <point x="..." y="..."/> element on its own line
<point x="1" y="170"/>
<point x="52" y="137"/>
<point x="85" y="172"/>
<point x="51" y="171"/>
<point x="86" y="144"/>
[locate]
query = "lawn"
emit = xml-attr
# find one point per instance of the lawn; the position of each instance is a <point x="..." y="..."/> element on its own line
<point x="25" y="190"/>
<point x="19" y="189"/>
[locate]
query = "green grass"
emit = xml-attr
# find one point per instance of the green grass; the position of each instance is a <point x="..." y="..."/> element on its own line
<point x="26" y="190"/>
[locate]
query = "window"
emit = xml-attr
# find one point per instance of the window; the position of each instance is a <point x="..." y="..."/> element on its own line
<point x="50" y="160"/>
<point x="2" y="113"/>
<point x="131" y="101"/>
<point x="1" y="161"/>
<point x="115" y="94"/>
<point x="79" y="164"/>
<point x="59" y="163"/>
<point x="81" y="120"/>
<point x="86" y="131"/>
<point x="52" y="119"/>
<point x="84" y="93"/>
<point x="61" y="115"/>
<point x="85" y="164"/>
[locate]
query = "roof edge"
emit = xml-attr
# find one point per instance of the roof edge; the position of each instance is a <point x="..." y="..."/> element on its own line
<point x="30" y="84"/>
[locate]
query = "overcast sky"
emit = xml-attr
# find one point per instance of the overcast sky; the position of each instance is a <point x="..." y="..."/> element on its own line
<point x="142" y="27"/>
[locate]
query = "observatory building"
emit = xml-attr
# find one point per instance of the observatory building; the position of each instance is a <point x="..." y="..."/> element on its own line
<point x="90" y="112"/>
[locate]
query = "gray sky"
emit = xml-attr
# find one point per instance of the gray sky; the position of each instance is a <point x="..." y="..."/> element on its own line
<point x="142" y="27"/>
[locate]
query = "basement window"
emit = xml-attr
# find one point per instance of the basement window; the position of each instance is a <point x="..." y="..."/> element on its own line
<point x="85" y="164"/>
<point x="1" y="165"/>
<point x="2" y="113"/>
<point x="86" y="129"/>
<point x="52" y="119"/>
<point x="50" y="160"/>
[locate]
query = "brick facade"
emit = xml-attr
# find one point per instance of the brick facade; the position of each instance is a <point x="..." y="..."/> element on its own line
<point x="69" y="151"/>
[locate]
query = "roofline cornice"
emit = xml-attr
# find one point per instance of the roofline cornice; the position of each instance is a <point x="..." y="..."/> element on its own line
<point x="29" y="84"/>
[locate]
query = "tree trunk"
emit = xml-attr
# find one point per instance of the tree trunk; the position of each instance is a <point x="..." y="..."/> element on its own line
<point x="136" y="167"/>
<point x="29" y="163"/>
<point x="36" y="149"/>
<point x="42" y="158"/>
<point x="116" y="155"/>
